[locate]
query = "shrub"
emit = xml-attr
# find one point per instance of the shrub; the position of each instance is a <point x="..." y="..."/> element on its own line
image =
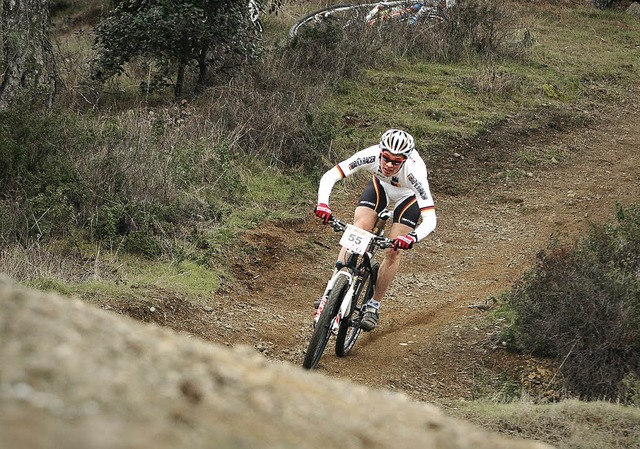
<point x="273" y="112"/>
<point x="39" y="186"/>
<point x="176" y="36"/>
<point x="603" y="4"/>
<point x="581" y="305"/>
<point x="135" y="226"/>
<point x="472" y="28"/>
<point x="329" y="52"/>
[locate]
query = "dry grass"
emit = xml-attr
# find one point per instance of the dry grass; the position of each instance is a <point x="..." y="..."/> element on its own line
<point x="569" y="424"/>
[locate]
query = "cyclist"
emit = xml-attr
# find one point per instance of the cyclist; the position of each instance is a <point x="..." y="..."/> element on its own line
<point x="399" y="176"/>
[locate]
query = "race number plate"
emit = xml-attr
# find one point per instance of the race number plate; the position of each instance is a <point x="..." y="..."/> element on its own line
<point x="355" y="239"/>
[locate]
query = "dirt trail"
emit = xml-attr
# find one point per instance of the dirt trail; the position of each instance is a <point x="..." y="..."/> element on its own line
<point x="432" y="341"/>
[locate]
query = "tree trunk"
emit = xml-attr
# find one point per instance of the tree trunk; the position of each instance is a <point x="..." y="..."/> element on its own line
<point x="27" y="55"/>
<point x="179" y="81"/>
<point x="202" y="67"/>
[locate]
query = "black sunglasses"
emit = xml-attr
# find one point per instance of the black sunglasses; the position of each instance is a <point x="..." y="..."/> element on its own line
<point x="392" y="161"/>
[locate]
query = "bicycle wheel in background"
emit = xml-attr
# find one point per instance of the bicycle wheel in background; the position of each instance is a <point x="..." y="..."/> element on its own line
<point x="322" y="331"/>
<point x="349" y="330"/>
<point x="341" y="15"/>
<point x="419" y="14"/>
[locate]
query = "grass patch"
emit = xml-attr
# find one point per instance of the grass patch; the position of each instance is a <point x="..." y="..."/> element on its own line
<point x="569" y="424"/>
<point x="434" y="101"/>
<point x="579" y="58"/>
<point x="99" y="276"/>
<point x="271" y="189"/>
<point x="588" y="52"/>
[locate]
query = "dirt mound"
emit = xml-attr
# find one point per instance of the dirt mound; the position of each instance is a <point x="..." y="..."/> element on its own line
<point x="74" y="376"/>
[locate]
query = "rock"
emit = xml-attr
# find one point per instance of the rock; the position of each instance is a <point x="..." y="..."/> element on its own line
<point x="634" y="9"/>
<point x="75" y="376"/>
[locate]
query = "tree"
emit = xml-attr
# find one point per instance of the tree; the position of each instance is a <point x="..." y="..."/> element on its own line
<point x="27" y="54"/>
<point x="174" y="35"/>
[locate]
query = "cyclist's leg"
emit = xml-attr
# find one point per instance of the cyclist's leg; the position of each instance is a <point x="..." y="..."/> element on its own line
<point x="405" y="219"/>
<point x="372" y="201"/>
<point x="374" y="197"/>
<point x="387" y="271"/>
<point x="391" y="262"/>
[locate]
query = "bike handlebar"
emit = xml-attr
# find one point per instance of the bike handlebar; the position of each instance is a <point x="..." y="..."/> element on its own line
<point x="380" y="242"/>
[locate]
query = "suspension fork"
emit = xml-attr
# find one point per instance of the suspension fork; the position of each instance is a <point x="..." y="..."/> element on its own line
<point x="345" y="306"/>
<point x="363" y="271"/>
<point x="337" y="273"/>
<point x="355" y="283"/>
<point x="354" y="271"/>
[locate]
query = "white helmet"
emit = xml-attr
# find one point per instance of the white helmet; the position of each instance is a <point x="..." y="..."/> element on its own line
<point x="396" y="141"/>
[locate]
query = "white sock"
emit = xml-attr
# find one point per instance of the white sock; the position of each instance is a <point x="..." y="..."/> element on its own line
<point x="372" y="302"/>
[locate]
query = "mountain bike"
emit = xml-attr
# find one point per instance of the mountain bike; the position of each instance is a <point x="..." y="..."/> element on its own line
<point x="371" y="14"/>
<point x="352" y="284"/>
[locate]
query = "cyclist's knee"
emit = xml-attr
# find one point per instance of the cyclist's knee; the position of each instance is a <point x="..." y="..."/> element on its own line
<point x="365" y="218"/>
<point x="392" y="255"/>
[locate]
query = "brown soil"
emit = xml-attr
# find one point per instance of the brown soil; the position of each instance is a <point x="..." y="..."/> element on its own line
<point x="433" y="341"/>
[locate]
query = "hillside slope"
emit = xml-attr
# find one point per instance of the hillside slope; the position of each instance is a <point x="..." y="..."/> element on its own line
<point x="432" y="341"/>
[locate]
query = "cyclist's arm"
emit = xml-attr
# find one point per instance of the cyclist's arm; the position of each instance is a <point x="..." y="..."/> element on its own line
<point x="428" y="223"/>
<point x="327" y="182"/>
<point x="419" y="182"/>
<point x="365" y="159"/>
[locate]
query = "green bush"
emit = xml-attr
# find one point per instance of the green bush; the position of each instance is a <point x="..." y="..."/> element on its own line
<point x="581" y="305"/>
<point x="136" y="226"/>
<point x="39" y="185"/>
<point x="176" y="39"/>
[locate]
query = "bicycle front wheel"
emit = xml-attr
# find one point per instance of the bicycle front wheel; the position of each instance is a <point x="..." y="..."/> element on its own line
<point x="340" y="15"/>
<point x="350" y="326"/>
<point x="322" y="331"/>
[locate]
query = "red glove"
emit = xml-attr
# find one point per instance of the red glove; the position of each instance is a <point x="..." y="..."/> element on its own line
<point x="323" y="212"/>
<point x="404" y="241"/>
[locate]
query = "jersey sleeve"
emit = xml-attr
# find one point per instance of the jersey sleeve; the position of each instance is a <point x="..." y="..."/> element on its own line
<point x="419" y="182"/>
<point x="365" y="159"/>
<point x="428" y="223"/>
<point x="327" y="182"/>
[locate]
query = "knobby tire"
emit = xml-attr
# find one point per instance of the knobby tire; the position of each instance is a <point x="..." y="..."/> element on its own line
<point x="322" y="331"/>
<point x="348" y="334"/>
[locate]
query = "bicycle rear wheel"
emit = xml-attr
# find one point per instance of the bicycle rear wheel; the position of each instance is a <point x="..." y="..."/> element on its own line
<point x="322" y="331"/>
<point x="340" y="15"/>
<point x="349" y="327"/>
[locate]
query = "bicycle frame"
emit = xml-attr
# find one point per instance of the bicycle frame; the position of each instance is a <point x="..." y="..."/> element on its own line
<point x="374" y="13"/>
<point x="347" y="280"/>
<point x="386" y="10"/>
<point x="354" y="275"/>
